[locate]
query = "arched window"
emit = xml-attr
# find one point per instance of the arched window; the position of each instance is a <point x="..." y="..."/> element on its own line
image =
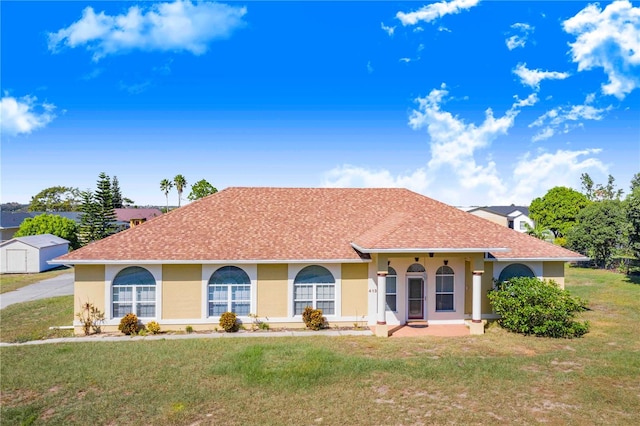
<point x="392" y="291"/>
<point x="515" y="270"/>
<point x="314" y="286"/>
<point x="134" y="291"/>
<point x="229" y="290"/>
<point x="444" y="289"/>
<point x="416" y="267"/>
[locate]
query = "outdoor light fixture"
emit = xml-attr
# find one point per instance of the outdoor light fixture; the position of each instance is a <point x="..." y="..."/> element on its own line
<point x="446" y="262"/>
<point x="430" y="254"/>
<point x="416" y="259"/>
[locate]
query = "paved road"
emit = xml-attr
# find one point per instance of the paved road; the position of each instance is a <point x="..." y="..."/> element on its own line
<point x="62" y="285"/>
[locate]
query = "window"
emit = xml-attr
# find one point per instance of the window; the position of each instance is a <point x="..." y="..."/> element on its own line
<point x="229" y="290"/>
<point x="523" y="225"/>
<point x="444" y="289"/>
<point x="392" y="293"/>
<point x="314" y="286"/>
<point x="416" y="267"/>
<point x="134" y="291"/>
<point x="515" y="270"/>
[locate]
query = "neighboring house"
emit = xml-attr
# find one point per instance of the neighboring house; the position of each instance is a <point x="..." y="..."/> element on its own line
<point x="132" y="217"/>
<point x="379" y="256"/>
<point x="31" y="254"/>
<point x="514" y="217"/>
<point x="10" y="221"/>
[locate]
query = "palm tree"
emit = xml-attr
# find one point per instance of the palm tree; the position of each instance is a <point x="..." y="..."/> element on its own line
<point x="180" y="182"/>
<point x="165" y="186"/>
<point x="539" y="232"/>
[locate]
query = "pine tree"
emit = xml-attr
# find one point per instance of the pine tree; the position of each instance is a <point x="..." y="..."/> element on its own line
<point x="88" y="230"/>
<point x="104" y="200"/>
<point x="117" y="193"/>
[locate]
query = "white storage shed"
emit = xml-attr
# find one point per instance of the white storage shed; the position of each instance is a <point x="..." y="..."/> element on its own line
<point x="30" y="254"/>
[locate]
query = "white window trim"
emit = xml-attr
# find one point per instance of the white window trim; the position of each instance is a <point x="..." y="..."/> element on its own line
<point x="453" y="293"/>
<point x="208" y="270"/>
<point x="536" y="267"/>
<point x="395" y="311"/>
<point x="110" y="273"/>
<point x="336" y="271"/>
<point x="425" y="292"/>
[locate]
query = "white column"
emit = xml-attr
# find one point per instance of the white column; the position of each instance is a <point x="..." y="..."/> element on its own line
<point x="382" y="298"/>
<point x="476" y="312"/>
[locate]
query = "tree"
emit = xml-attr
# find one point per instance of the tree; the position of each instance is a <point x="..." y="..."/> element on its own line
<point x="180" y="182"/>
<point x="633" y="217"/>
<point x="558" y="209"/>
<point x="200" y="189"/>
<point x="539" y="232"/>
<point x="98" y="220"/>
<point x="55" y="199"/>
<point x="599" y="192"/>
<point x="50" y="224"/>
<point x="117" y="193"/>
<point x="635" y="181"/>
<point x="601" y="229"/>
<point x="165" y="186"/>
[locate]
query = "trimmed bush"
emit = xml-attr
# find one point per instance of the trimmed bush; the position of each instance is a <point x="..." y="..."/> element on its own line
<point x="153" y="327"/>
<point x="229" y="322"/>
<point x="129" y="324"/>
<point x="531" y="306"/>
<point x="313" y="318"/>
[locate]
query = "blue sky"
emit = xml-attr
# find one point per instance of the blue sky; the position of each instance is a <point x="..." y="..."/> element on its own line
<point x="469" y="102"/>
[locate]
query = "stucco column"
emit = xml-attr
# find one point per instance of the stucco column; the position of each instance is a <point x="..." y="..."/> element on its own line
<point x="476" y="312"/>
<point x="382" y="298"/>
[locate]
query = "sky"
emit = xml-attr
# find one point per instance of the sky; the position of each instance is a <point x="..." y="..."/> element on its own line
<point x="469" y="102"/>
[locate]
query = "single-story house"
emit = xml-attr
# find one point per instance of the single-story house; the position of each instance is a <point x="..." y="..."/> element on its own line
<point x="31" y="254"/>
<point x="10" y="221"/>
<point x="381" y="257"/>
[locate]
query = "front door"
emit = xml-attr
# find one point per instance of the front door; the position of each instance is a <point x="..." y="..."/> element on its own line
<point x="416" y="297"/>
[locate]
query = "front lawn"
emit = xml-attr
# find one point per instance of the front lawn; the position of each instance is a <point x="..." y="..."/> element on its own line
<point x="11" y="282"/>
<point x="495" y="378"/>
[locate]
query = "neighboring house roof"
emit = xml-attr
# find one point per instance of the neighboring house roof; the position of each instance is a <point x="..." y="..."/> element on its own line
<point x="39" y="241"/>
<point x="308" y="224"/>
<point x="12" y="219"/>
<point x="125" y="215"/>
<point x="508" y="210"/>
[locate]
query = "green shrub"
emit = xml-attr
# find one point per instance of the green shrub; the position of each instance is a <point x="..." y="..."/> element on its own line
<point x="153" y="327"/>
<point x="129" y="324"/>
<point x="188" y="329"/>
<point x="229" y="322"/>
<point x="313" y="318"/>
<point x="263" y="325"/>
<point x="91" y="318"/>
<point x="531" y="306"/>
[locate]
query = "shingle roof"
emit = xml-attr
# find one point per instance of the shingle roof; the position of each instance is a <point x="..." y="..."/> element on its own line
<point x="295" y="224"/>
<point x="507" y="210"/>
<point x="39" y="241"/>
<point x="125" y="215"/>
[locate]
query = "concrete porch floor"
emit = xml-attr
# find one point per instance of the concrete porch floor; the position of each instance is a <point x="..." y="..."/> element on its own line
<point x="422" y="328"/>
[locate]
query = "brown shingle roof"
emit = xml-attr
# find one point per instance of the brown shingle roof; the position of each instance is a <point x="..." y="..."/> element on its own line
<point x="295" y="224"/>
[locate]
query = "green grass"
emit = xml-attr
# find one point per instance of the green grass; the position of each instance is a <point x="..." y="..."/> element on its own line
<point x="11" y="282"/>
<point x="31" y="320"/>
<point x="495" y="378"/>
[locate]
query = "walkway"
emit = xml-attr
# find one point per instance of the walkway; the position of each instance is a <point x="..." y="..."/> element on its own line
<point x="417" y="329"/>
<point x="61" y="285"/>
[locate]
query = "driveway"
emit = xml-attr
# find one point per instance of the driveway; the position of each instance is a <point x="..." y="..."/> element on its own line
<point x="62" y="285"/>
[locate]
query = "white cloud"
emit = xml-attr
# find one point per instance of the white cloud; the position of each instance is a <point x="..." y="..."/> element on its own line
<point x="457" y="175"/>
<point x="349" y="176"/>
<point x="405" y="60"/>
<point x="534" y="175"/>
<point x="532" y="78"/>
<point x="608" y="39"/>
<point x="520" y="39"/>
<point x="434" y="11"/>
<point x="24" y="115"/>
<point x="178" y="26"/>
<point x="369" y="67"/>
<point x="388" y="30"/>
<point x="562" y="120"/>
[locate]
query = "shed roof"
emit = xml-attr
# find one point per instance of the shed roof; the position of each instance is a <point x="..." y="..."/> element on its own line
<point x="39" y="241"/>
<point x="323" y="224"/>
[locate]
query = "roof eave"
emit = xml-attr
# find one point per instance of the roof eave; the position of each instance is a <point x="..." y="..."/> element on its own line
<point x="198" y="261"/>
<point x="540" y="259"/>
<point x="430" y="250"/>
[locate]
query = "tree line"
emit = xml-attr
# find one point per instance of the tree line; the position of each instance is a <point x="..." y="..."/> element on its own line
<point x="596" y="221"/>
<point x="200" y="189"/>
